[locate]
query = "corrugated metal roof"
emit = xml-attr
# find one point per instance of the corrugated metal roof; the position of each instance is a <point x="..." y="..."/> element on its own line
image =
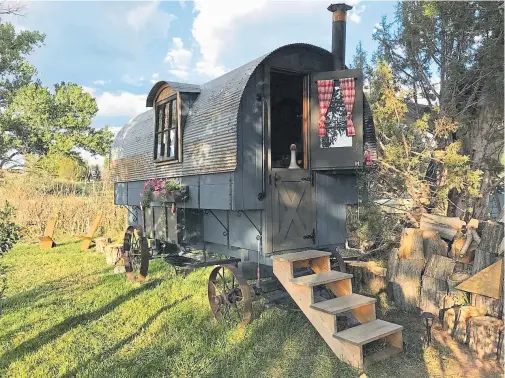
<point x="210" y="133"/>
<point x="134" y="137"/>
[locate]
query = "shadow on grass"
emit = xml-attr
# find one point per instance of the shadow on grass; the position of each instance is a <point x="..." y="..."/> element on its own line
<point x="38" y="341"/>
<point x="109" y="352"/>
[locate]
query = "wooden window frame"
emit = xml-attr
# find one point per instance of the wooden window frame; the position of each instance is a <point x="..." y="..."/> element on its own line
<point x="166" y="130"/>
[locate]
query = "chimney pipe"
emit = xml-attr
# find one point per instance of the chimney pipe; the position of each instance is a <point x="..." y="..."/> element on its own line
<point x="338" y="34"/>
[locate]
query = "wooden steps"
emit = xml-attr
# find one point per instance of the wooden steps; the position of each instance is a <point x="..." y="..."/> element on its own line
<point x="320" y="278"/>
<point x="298" y="256"/>
<point x="368" y="332"/>
<point x="347" y="344"/>
<point x="343" y="304"/>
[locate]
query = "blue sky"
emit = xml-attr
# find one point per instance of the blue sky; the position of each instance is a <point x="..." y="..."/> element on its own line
<point x="117" y="49"/>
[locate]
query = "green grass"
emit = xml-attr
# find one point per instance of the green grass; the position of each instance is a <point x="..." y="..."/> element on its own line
<point x="66" y="314"/>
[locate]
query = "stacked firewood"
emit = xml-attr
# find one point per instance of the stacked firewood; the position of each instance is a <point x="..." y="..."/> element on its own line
<point x="453" y="270"/>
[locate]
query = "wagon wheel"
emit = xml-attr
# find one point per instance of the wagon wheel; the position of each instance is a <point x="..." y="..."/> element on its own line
<point x="229" y="295"/>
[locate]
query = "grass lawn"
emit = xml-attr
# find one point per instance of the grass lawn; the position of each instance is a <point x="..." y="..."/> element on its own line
<point x="66" y="314"/>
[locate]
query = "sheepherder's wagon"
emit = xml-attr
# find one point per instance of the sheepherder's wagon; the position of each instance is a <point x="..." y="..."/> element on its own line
<point x="264" y="160"/>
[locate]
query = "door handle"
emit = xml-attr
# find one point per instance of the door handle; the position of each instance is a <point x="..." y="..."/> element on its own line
<point x="276" y="178"/>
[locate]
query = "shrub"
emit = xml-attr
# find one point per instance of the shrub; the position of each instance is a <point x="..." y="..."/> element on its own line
<point x="9" y="231"/>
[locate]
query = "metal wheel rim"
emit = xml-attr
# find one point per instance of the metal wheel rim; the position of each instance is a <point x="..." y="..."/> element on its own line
<point x="223" y="283"/>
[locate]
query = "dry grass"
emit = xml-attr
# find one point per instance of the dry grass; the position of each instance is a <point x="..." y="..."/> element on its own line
<point x="36" y="199"/>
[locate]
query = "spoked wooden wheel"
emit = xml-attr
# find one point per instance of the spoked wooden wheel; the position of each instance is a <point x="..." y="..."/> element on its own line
<point x="229" y="295"/>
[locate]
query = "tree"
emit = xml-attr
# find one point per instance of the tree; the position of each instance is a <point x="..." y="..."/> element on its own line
<point x="32" y="118"/>
<point x="54" y="123"/>
<point x="406" y="148"/>
<point x="15" y="72"/>
<point x="450" y="55"/>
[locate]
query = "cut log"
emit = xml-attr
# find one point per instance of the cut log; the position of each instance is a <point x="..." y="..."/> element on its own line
<point x="433" y="245"/>
<point x="455" y="279"/>
<point x="492" y="306"/>
<point x="482" y="260"/>
<point x="465" y="313"/>
<point x="487" y="251"/>
<point x="368" y="275"/>
<point x="100" y="244"/>
<point x="431" y="291"/>
<point x="411" y="244"/>
<point x="488" y="281"/>
<point x="439" y="267"/>
<point x="484" y="336"/>
<point x="457" y="246"/>
<point x="406" y="284"/>
<point x="391" y="271"/>
<point x="446" y="227"/>
<point x="463" y="268"/>
<point x="452" y="299"/>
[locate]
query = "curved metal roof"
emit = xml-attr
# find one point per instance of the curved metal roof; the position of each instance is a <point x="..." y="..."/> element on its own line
<point x="210" y="132"/>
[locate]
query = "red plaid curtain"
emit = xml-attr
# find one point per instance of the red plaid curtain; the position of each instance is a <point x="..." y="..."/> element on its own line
<point x="324" y="91"/>
<point x="348" y="94"/>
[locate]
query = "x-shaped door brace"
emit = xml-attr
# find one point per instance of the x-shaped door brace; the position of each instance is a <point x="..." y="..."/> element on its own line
<point x="292" y="214"/>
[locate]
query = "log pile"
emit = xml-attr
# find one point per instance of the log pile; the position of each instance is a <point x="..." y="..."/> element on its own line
<point x="453" y="270"/>
<point x="367" y="276"/>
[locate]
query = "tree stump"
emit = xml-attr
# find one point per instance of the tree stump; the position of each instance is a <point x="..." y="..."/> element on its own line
<point x="484" y="336"/>
<point x="493" y="307"/>
<point x="439" y="267"/>
<point x="411" y="244"/>
<point x="100" y="244"/>
<point x="487" y="251"/>
<point x="406" y="285"/>
<point x="452" y="299"/>
<point x="431" y="291"/>
<point x="463" y="268"/>
<point x="112" y="253"/>
<point x="367" y="274"/>
<point x="391" y="271"/>
<point x="433" y="244"/>
<point x="456" y="321"/>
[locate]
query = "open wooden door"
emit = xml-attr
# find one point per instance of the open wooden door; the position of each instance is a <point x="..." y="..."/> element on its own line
<point x="293" y="210"/>
<point x="336" y="150"/>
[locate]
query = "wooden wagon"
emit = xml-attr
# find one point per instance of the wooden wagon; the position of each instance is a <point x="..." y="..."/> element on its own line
<point x="247" y="193"/>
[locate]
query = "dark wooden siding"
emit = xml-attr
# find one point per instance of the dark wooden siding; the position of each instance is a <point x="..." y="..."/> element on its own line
<point x="333" y="194"/>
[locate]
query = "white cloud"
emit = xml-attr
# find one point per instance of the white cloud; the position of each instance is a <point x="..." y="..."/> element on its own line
<point x="115" y="129"/>
<point x="133" y="81"/>
<point x="149" y="16"/>
<point x="101" y="82"/>
<point x="155" y="78"/>
<point x="122" y="104"/>
<point x="179" y="59"/>
<point x="89" y="90"/>
<point x="377" y="27"/>
<point x="89" y="158"/>
<point x="213" y="29"/>
<point x="355" y="13"/>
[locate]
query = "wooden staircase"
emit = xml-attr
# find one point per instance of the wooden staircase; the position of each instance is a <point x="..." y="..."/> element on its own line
<point x="346" y="344"/>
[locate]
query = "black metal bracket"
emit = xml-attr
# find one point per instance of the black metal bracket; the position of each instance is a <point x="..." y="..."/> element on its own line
<point x="226" y="231"/>
<point x="311" y="236"/>
<point x="250" y="221"/>
<point x="134" y="214"/>
<point x="261" y="196"/>
<point x="309" y="178"/>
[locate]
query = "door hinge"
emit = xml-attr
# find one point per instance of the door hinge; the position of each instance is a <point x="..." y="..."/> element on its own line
<point x="311" y="236"/>
<point x="309" y="178"/>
